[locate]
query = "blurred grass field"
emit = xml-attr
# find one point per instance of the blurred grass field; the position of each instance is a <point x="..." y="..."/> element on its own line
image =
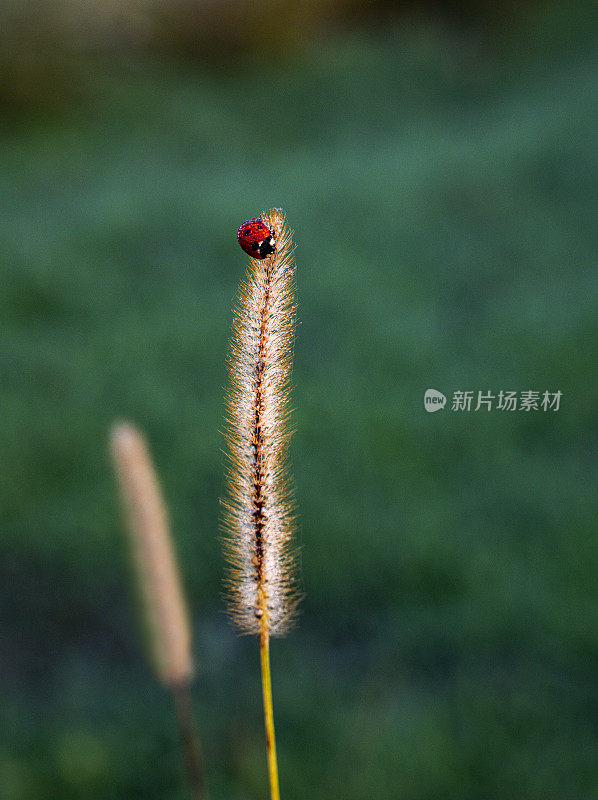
<point x="443" y="189"/>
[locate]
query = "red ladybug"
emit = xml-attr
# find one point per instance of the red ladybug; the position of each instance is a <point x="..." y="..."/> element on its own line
<point x="256" y="238"/>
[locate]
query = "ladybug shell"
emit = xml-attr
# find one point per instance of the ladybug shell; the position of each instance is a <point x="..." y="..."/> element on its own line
<point x="256" y="238"/>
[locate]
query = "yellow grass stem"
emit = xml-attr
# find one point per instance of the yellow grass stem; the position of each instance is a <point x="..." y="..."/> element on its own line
<point x="269" y="716"/>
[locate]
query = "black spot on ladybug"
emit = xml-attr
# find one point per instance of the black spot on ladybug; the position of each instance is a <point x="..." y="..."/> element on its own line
<point x="267" y="247"/>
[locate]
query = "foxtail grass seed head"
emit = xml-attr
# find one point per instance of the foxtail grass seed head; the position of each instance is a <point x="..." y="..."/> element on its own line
<point x="162" y="599"/>
<point x="259" y="510"/>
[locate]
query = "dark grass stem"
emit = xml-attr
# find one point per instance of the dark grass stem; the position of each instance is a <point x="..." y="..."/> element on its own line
<point x="190" y="744"/>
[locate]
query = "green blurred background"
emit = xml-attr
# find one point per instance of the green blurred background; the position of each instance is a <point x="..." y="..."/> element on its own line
<point x="438" y="163"/>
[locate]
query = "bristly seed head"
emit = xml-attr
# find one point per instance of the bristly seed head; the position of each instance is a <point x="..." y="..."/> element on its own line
<point x="259" y="507"/>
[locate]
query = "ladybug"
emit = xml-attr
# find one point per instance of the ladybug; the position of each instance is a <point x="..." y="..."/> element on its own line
<point x="256" y="238"/>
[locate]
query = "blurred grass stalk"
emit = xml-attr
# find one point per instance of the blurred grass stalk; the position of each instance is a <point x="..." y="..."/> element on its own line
<point x="163" y="605"/>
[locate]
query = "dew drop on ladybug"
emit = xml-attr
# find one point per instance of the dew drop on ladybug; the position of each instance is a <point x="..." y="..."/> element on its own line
<point x="256" y="238"/>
